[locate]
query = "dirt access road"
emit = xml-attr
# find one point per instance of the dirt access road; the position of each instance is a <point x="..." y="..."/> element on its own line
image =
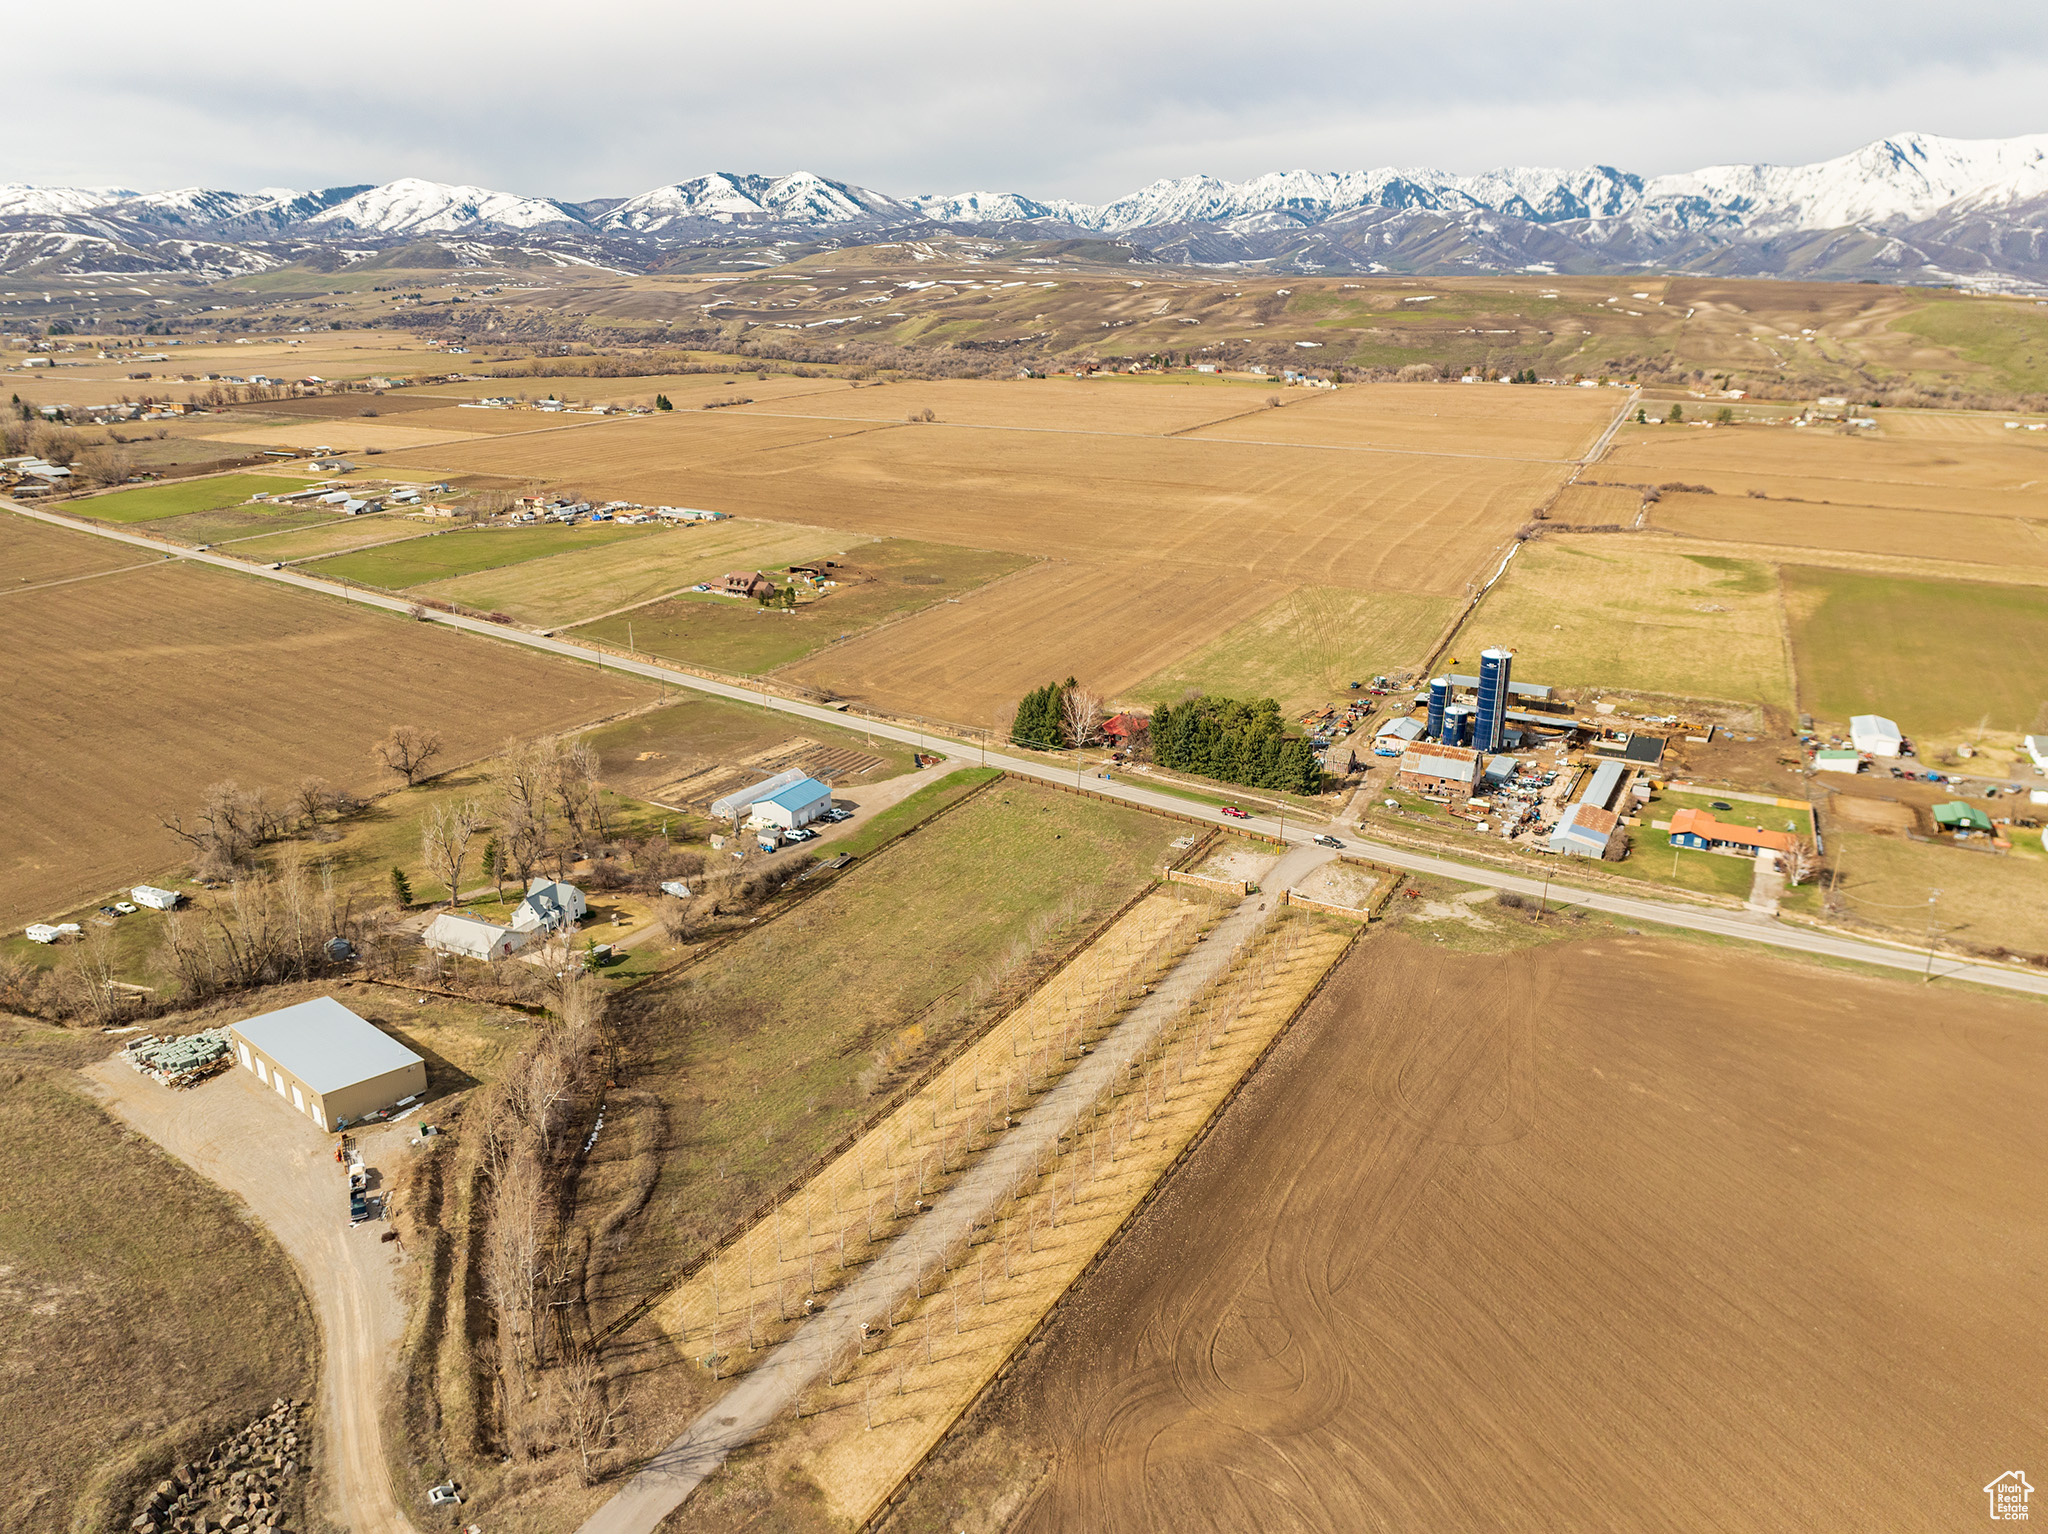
<point x="772" y="1388"/>
<point x="233" y="1132"/>
<point x="1745" y="928"/>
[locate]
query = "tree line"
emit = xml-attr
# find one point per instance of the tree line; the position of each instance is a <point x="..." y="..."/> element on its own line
<point x="1235" y="741"/>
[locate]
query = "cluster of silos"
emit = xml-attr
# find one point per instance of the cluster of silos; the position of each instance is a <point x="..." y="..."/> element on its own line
<point x="1479" y="724"/>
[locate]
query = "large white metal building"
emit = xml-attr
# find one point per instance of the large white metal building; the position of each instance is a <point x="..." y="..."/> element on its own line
<point x="326" y="1062"/>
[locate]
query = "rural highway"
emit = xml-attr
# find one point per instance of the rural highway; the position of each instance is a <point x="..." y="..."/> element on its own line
<point x="772" y="1388"/>
<point x="1749" y="929"/>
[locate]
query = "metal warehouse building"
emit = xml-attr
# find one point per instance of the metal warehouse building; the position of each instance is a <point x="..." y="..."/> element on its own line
<point x="329" y="1064"/>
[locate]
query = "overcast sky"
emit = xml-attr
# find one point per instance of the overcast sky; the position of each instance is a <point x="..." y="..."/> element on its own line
<point x="1070" y="98"/>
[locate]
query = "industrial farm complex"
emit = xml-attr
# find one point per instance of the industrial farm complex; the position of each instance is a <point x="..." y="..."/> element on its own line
<point x="661" y="876"/>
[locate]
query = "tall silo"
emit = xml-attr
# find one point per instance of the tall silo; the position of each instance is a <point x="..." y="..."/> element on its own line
<point x="1496" y="670"/>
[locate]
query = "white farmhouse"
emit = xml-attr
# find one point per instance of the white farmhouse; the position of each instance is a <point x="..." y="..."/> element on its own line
<point x="550" y="904"/>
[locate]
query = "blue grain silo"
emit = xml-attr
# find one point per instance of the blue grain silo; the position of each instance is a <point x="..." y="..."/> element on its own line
<point x="1439" y="695"/>
<point x="1496" y="670"/>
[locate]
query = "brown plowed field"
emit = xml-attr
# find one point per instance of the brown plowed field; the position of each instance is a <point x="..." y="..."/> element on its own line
<point x="1371" y="520"/>
<point x="127" y="695"/>
<point x="2006" y="477"/>
<point x="1482" y="420"/>
<point x="1124" y="407"/>
<point x="34" y="552"/>
<point x="965" y="660"/>
<point x="1606" y="1235"/>
<point x="1992" y="540"/>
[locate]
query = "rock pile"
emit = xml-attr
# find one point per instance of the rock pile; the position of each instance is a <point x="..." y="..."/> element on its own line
<point x="239" y="1488"/>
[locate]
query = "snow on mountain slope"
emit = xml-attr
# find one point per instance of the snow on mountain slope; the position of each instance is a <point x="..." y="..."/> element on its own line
<point x="1902" y="179"/>
<point x="723" y="196"/>
<point x="17" y="200"/>
<point x="410" y="206"/>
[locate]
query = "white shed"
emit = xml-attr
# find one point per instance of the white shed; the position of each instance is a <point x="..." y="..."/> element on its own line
<point x="1875" y="734"/>
<point x="472" y="937"/>
<point x="734" y="804"/>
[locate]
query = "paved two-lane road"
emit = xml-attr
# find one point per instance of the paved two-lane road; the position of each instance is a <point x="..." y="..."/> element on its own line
<point x="1662" y="912"/>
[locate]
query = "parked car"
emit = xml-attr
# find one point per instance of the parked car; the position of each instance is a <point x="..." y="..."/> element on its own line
<point x="126" y="908"/>
<point x="836" y="814"/>
<point x="1235" y="813"/>
<point x="800" y="834"/>
<point x="1329" y="841"/>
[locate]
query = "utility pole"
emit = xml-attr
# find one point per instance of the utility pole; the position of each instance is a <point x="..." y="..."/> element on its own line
<point x="1932" y="896"/>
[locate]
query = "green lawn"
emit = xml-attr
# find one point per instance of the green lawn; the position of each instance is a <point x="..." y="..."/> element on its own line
<point x="153" y="502"/>
<point x="438" y="555"/>
<point x="1307" y="648"/>
<point x="1943" y="658"/>
<point x="895" y="576"/>
<point x="920" y="806"/>
<point x="1655" y="861"/>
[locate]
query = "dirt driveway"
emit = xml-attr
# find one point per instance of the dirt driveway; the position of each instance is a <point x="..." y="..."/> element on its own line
<point x="241" y="1137"/>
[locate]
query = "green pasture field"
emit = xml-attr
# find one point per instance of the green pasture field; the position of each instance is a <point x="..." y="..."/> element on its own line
<point x="2007" y="340"/>
<point x="1307" y="649"/>
<point x="1609" y="612"/>
<point x="1985" y="899"/>
<point x="153" y="502"/>
<point x="766" y="1057"/>
<point x="1943" y="658"/>
<point x="437" y="556"/>
<point x="724" y="634"/>
<point x="623" y="575"/>
<point x="143" y="1310"/>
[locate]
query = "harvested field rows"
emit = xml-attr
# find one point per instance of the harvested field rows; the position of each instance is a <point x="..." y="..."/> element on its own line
<point x="349" y="434"/>
<point x="1597" y="505"/>
<point x="33" y="552"/>
<point x="2004" y="477"/>
<point x="1610" y="1234"/>
<point x="1385" y="521"/>
<point x="1116" y="406"/>
<point x="969" y="661"/>
<point x="233" y="678"/>
<point x="886" y="1403"/>
<point x="1546" y="424"/>
<point x="439" y="556"/>
<point x="1305" y="648"/>
<point x="1991" y="540"/>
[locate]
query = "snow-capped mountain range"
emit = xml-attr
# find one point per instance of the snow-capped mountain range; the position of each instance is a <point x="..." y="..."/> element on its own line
<point x="1909" y="208"/>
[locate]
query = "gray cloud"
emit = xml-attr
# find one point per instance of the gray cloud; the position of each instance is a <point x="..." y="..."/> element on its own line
<point x="1060" y="98"/>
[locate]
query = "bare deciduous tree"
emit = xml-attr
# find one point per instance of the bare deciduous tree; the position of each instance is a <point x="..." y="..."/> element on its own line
<point x="585" y="1407"/>
<point x="445" y="838"/>
<point x="408" y="751"/>
<point x="1081" y="712"/>
<point x="525" y="806"/>
<point x="311" y="799"/>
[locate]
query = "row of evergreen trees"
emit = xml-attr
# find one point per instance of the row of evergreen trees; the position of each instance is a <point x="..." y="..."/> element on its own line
<point x="1235" y="741"/>
<point x="1041" y="718"/>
